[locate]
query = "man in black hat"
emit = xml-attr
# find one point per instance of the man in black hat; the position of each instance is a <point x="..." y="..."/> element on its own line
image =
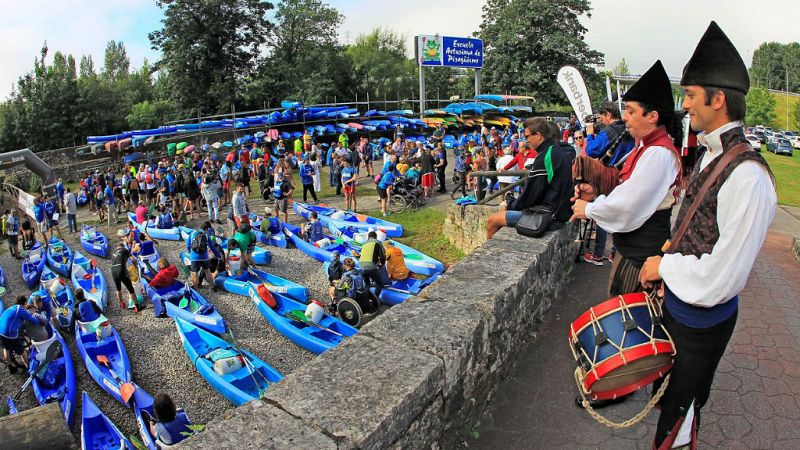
<point x="638" y="210"/>
<point x="710" y="264"/>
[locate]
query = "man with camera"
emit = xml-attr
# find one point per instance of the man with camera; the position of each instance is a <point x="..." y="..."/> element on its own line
<point x="597" y="144"/>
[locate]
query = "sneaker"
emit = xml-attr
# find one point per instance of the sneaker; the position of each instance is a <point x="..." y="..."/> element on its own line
<point x="591" y="259"/>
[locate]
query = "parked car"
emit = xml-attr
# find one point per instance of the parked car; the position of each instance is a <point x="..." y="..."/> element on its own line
<point x="754" y="141"/>
<point x="761" y="136"/>
<point x="795" y="141"/>
<point x="782" y="147"/>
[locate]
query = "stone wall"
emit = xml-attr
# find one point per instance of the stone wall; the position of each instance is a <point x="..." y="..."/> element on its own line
<point x="465" y="227"/>
<point x="796" y="247"/>
<point x="421" y="374"/>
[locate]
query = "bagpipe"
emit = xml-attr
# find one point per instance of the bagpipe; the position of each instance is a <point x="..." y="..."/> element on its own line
<point x="598" y="172"/>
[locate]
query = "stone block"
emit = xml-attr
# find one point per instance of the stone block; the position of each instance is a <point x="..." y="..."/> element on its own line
<point x="796" y="247"/>
<point x="425" y="431"/>
<point x="458" y="336"/>
<point x="259" y="425"/>
<point x="365" y="391"/>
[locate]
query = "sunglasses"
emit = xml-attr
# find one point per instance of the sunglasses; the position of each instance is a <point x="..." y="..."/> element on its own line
<point x="579" y="138"/>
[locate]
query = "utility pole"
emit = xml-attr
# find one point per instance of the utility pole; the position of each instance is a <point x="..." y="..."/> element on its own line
<point x="787" y="97"/>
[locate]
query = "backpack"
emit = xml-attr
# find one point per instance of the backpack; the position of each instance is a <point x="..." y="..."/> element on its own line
<point x="165" y="221"/>
<point x="199" y="243"/>
<point x="277" y="191"/>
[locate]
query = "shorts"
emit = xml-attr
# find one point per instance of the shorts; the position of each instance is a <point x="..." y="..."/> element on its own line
<point x="122" y="279"/>
<point x="382" y="192"/>
<point x="12" y="239"/>
<point x="216" y="264"/>
<point x="512" y="218"/>
<point x="225" y="185"/>
<point x="280" y="204"/>
<point x="427" y="179"/>
<point x="13" y="345"/>
<point x="41" y="226"/>
<point x="349" y="189"/>
<point x="197" y="266"/>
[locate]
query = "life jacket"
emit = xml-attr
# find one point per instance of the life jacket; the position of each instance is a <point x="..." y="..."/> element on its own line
<point x="165" y="221"/>
<point x="175" y="429"/>
<point x="277" y="190"/>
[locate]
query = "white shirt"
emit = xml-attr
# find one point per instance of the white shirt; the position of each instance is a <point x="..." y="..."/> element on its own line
<point x="745" y="207"/>
<point x="502" y="162"/>
<point x="648" y="189"/>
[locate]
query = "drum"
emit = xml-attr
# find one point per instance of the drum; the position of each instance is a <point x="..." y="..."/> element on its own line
<point x="620" y="346"/>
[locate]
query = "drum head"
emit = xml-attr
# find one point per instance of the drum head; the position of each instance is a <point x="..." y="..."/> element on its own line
<point x="632" y="376"/>
<point x="349" y="311"/>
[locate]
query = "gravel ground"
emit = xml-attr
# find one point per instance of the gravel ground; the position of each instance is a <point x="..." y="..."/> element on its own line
<point x="158" y="360"/>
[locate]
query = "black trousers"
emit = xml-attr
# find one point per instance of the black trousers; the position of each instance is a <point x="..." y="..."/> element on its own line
<point x="306" y="189"/>
<point x="440" y="178"/>
<point x="374" y="276"/>
<point x="699" y="351"/>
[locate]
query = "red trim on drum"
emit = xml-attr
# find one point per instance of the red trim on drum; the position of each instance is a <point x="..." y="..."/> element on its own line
<point x="625" y="390"/>
<point x="631" y="354"/>
<point x="610" y="305"/>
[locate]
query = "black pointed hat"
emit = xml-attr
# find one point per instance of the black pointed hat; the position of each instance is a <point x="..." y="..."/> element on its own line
<point x="653" y="89"/>
<point x="716" y="62"/>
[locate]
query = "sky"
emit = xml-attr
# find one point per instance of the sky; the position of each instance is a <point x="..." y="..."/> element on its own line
<point x="640" y="31"/>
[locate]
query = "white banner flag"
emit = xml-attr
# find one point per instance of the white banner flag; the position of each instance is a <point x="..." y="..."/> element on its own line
<point x="572" y="82"/>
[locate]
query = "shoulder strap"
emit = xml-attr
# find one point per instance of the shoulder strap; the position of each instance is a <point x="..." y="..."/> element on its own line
<point x="727" y="158"/>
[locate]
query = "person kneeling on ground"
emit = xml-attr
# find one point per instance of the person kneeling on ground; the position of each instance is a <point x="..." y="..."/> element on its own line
<point x="548" y="184"/>
<point x="395" y="262"/>
<point x="170" y="424"/>
<point x="245" y="241"/>
<point x="312" y="231"/>
<point x="10" y="322"/>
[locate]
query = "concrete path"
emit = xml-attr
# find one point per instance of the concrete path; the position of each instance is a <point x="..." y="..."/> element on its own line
<point x="755" y="401"/>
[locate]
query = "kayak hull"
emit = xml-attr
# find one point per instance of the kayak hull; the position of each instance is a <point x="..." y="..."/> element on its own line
<point x="238" y="387"/>
<point x="198" y="311"/>
<point x="165" y="234"/>
<point x="89" y="347"/>
<point x="59" y="257"/>
<point x="99" y="295"/>
<point x="360" y="221"/>
<point x="64" y="383"/>
<point x="97" y="430"/>
<point x="316" y="340"/>
<point x="96" y="245"/>
<point x="240" y="285"/>
<point x="32" y="268"/>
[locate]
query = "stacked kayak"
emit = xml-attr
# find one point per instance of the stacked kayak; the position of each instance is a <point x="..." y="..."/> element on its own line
<point x="59" y="257"/>
<point x="180" y="300"/>
<point x="62" y="301"/>
<point x="87" y="276"/>
<point x="288" y="318"/>
<point x="32" y="265"/>
<point x="57" y="381"/>
<point x="94" y="242"/>
<point x="239" y="376"/>
<point x="276" y="239"/>
<point x="97" y="430"/>
<point x="415" y="260"/>
<point x="345" y="218"/>
<point x="240" y="285"/>
<point x="399" y="291"/>
<point x="149" y="228"/>
<point x="323" y="253"/>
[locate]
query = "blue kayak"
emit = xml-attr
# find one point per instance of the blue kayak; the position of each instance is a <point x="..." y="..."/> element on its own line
<point x="62" y="301"/>
<point x="398" y="291"/>
<point x="32" y="265"/>
<point x="149" y="228"/>
<point x="415" y="260"/>
<point x="90" y="346"/>
<point x="58" y="381"/>
<point x="240" y="284"/>
<point x="346" y="218"/>
<point x="196" y="309"/>
<point x="316" y="339"/>
<point x="276" y="239"/>
<point x="97" y="430"/>
<point x="245" y="383"/>
<point x="143" y="402"/>
<point x="2" y="277"/>
<point x="59" y="257"/>
<point x="90" y="279"/>
<point x="322" y="254"/>
<point x="94" y="242"/>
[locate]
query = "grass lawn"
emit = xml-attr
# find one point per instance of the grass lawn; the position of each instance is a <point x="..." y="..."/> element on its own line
<point x="780" y="112"/>
<point x="787" y="176"/>
<point x="423" y="231"/>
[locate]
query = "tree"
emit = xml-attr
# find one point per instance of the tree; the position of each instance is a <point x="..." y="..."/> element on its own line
<point x="527" y="41"/>
<point x="771" y="63"/>
<point x="796" y="115"/>
<point x="381" y="66"/>
<point x="209" y="49"/>
<point x="760" y="107"/>
<point x="621" y="68"/>
<point x="117" y="62"/>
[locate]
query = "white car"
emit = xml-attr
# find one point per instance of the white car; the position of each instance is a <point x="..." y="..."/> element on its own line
<point x="754" y="141"/>
<point x="795" y="141"/>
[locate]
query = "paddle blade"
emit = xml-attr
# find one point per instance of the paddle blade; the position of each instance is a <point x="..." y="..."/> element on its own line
<point x="183" y="303"/>
<point x="126" y="391"/>
<point x="137" y="443"/>
<point x="102" y="359"/>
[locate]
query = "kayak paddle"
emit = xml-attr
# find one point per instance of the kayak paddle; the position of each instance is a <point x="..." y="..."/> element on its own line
<point x="125" y="389"/>
<point x="93" y="266"/>
<point x="52" y="353"/>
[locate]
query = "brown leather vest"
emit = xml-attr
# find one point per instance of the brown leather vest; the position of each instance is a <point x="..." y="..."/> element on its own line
<point x="703" y="231"/>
